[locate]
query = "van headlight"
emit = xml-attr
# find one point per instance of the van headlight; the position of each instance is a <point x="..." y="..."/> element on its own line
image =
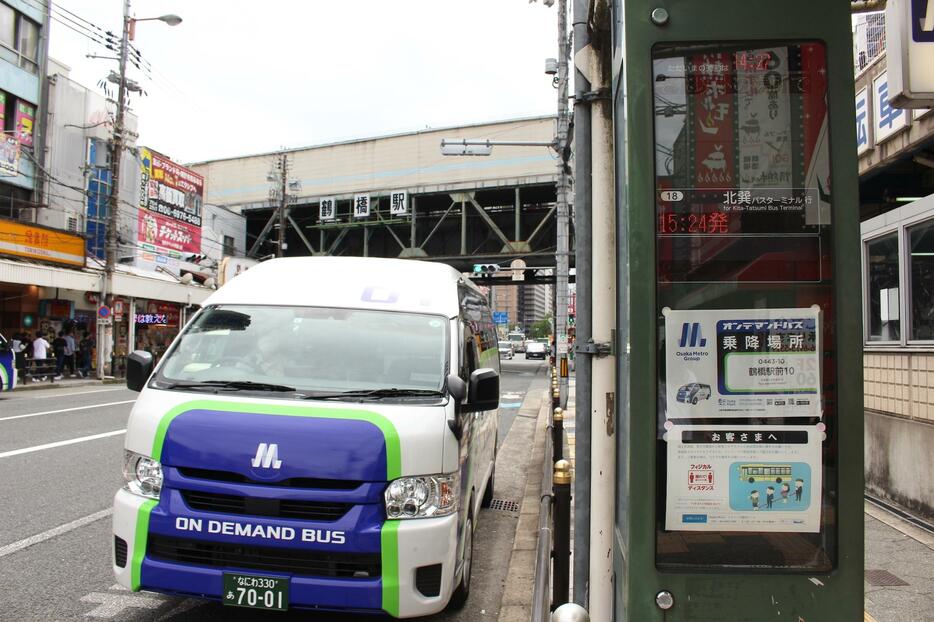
<point x="141" y="475"/>
<point x="423" y="496"/>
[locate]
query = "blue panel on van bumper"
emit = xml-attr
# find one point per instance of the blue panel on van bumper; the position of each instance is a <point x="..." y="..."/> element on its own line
<point x="310" y="592"/>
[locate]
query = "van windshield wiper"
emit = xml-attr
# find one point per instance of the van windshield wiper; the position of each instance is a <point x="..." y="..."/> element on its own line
<point x="375" y="393"/>
<point x="234" y="385"/>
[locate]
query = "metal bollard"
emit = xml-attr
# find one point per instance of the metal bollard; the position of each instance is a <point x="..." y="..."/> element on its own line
<point x="555" y="398"/>
<point x="561" y="570"/>
<point x="570" y="612"/>
<point x="557" y="434"/>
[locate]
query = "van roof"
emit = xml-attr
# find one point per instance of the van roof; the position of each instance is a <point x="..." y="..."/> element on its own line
<point x="350" y="282"/>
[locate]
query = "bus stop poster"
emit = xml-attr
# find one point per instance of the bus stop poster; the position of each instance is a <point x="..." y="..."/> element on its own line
<point x="742" y="363"/>
<point x="744" y="478"/>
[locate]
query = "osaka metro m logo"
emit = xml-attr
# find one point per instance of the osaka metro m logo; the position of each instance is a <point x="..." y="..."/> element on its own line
<point x="691" y="335"/>
<point x="267" y="456"/>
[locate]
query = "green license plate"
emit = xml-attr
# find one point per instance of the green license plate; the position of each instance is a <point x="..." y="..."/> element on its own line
<point x="256" y="591"/>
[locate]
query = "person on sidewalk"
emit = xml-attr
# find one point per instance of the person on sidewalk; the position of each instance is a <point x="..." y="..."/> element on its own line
<point x="40" y="351"/>
<point x="58" y="349"/>
<point x="85" y="346"/>
<point x="70" y="349"/>
<point x="20" y="344"/>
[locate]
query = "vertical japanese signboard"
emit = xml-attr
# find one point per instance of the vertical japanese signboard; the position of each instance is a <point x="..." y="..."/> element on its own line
<point x="326" y="209"/>
<point x="886" y="119"/>
<point x="744" y="285"/>
<point x="398" y="203"/>
<point x="170" y="207"/>
<point x="863" y="140"/>
<point x="361" y="206"/>
<point x="25" y="120"/>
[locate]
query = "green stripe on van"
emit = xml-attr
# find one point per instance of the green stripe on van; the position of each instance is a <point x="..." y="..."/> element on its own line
<point x="389" y="543"/>
<point x="139" y="542"/>
<point x="5" y="383"/>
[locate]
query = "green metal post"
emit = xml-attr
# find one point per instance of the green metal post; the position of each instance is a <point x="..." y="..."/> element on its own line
<point x="648" y="590"/>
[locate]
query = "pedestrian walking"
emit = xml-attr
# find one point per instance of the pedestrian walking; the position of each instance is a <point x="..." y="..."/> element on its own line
<point x="40" y="350"/>
<point x="58" y="349"/>
<point x="70" y="350"/>
<point x="85" y="346"/>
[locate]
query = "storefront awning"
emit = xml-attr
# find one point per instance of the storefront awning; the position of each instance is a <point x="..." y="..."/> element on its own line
<point x="127" y="283"/>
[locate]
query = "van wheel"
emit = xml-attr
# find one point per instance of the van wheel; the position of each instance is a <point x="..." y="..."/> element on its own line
<point x="488" y="492"/>
<point x="694" y="400"/>
<point x="462" y="591"/>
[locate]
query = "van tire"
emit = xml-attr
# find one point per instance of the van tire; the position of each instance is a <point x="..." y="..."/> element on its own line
<point x="462" y="591"/>
<point x="488" y="491"/>
<point x="694" y="400"/>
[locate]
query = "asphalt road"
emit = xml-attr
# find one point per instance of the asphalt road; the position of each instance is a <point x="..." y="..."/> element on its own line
<point x="60" y="463"/>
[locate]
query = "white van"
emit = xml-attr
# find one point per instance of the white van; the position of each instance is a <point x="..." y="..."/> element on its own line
<point x="322" y="434"/>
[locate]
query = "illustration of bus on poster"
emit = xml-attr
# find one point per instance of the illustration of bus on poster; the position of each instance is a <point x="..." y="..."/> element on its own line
<point x="742" y="363"/>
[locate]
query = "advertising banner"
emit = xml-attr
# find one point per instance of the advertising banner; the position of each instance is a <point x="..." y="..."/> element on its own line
<point x="170" y="200"/>
<point x="32" y="242"/>
<point x="744" y="478"/>
<point x="25" y="120"/>
<point x="160" y="234"/>
<point x="742" y="363"/>
<point x="764" y="117"/>
<point x="709" y="77"/>
<point x="9" y="157"/>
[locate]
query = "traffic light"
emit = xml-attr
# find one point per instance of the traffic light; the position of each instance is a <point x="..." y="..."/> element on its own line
<point x="570" y="320"/>
<point x="485" y="269"/>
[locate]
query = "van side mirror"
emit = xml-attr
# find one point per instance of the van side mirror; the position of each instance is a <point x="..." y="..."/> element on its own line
<point x="138" y="369"/>
<point x="456" y="387"/>
<point x="482" y="390"/>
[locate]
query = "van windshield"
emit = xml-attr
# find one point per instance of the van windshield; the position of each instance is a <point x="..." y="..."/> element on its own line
<point x="310" y="349"/>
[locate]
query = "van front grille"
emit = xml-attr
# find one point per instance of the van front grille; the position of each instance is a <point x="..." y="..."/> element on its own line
<point x="293" y="561"/>
<point x="272" y="508"/>
<point x="294" y="482"/>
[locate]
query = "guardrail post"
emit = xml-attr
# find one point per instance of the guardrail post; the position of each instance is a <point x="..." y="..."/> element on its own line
<point x="562" y="534"/>
<point x="557" y="433"/>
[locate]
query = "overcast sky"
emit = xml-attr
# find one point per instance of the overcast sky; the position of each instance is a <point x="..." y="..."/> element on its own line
<point x="239" y="77"/>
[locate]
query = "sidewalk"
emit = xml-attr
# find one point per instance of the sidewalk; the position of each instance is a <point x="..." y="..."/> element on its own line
<point x="899" y="556"/>
<point x="64" y="383"/>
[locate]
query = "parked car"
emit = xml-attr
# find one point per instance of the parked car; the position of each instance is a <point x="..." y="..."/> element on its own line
<point x="535" y="350"/>
<point x="506" y="351"/>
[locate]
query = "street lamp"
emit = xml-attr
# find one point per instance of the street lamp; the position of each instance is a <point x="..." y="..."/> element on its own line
<point x="129" y="30"/>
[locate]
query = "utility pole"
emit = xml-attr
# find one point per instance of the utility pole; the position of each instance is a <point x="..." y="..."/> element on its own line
<point x="280" y="194"/>
<point x="112" y="217"/>
<point x="561" y="253"/>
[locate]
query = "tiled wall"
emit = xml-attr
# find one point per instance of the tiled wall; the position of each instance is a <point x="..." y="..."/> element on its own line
<point x="900" y="383"/>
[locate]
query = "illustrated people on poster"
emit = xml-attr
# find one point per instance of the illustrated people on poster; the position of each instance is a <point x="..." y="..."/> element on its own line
<point x="799" y="488"/>
<point x="769" y="496"/>
<point x="785" y="489"/>
<point x="754" y="498"/>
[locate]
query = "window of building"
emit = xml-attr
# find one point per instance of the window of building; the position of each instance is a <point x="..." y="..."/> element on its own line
<point x="921" y="238"/>
<point x="7" y="26"/>
<point x="19" y="39"/>
<point x="229" y="246"/>
<point x="884" y="313"/>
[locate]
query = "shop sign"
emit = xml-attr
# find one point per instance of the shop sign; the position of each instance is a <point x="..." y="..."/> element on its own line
<point x="33" y="242"/>
<point x="863" y="140"/>
<point x="232" y="266"/>
<point x="152" y="318"/>
<point x="886" y="119"/>
<point x="742" y="363"/>
<point x="744" y="478"/>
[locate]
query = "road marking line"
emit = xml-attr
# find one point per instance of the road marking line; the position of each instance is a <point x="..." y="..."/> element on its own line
<point x="71" y="441"/>
<point x="110" y="605"/>
<point x="66" y="410"/>
<point x="9" y="549"/>
<point x="56" y="394"/>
